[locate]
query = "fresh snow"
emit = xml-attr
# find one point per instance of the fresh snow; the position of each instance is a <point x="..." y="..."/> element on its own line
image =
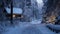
<point x="34" y="21"/>
<point x="28" y="28"/>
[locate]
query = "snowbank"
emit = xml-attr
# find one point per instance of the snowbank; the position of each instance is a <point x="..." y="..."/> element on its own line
<point x="56" y="27"/>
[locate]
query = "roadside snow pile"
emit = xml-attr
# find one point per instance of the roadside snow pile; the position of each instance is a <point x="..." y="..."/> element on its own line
<point x="56" y="27"/>
<point x="58" y="33"/>
<point x="3" y="26"/>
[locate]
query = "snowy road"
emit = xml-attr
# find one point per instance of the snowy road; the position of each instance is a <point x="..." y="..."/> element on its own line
<point x="29" y="29"/>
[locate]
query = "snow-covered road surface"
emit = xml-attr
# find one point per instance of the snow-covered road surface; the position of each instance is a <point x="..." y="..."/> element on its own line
<point x="28" y="29"/>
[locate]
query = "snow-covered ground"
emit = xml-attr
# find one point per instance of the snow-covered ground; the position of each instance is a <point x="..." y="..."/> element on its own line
<point x="34" y="21"/>
<point x="28" y="28"/>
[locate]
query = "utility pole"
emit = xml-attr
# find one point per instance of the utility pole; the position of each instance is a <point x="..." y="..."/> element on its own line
<point x="23" y="5"/>
<point x="11" y="11"/>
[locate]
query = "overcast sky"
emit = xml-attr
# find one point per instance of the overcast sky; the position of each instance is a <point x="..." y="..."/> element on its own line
<point x="39" y="1"/>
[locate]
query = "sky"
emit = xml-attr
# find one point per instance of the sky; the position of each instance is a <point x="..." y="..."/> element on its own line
<point x="39" y="1"/>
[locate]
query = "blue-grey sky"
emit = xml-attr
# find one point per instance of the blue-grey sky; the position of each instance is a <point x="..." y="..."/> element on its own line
<point x="39" y="1"/>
